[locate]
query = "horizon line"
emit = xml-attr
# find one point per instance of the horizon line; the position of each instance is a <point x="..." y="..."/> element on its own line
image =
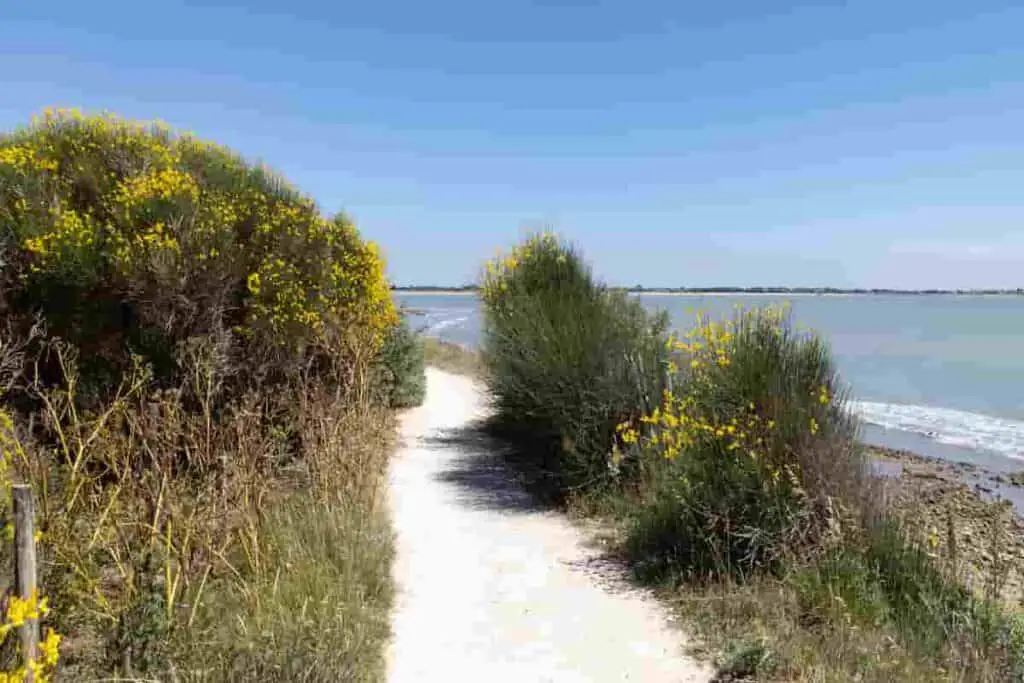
<point x="751" y="290"/>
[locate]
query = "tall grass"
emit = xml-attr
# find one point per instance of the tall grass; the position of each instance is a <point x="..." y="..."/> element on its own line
<point x="312" y="594"/>
<point x="248" y="546"/>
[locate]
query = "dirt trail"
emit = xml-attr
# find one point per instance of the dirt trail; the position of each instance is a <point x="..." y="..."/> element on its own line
<point x="492" y="588"/>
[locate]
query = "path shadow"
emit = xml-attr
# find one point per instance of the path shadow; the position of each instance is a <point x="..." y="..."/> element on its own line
<point x="486" y="478"/>
<point x="481" y="474"/>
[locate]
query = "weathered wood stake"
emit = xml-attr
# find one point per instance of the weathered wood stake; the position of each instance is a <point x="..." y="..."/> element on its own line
<point x="25" y="565"/>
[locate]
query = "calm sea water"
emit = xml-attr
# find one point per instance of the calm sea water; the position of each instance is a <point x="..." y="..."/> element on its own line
<point x="942" y="375"/>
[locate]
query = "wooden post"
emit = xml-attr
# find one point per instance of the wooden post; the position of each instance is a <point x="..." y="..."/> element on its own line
<point x="25" y="566"/>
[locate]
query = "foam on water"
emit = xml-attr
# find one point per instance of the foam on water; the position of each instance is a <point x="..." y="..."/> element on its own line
<point x="436" y="319"/>
<point x="436" y="327"/>
<point x="946" y="425"/>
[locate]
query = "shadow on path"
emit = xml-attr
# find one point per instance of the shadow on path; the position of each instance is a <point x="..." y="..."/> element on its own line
<point x="485" y="480"/>
<point x="480" y="473"/>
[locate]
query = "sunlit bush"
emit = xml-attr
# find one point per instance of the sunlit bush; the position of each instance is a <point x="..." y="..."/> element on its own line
<point x="128" y="238"/>
<point x="749" y="454"/>
<point x="185" y="343"/>
<point x="566" y="360"/>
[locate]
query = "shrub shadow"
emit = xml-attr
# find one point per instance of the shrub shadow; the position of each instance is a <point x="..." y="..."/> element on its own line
<point x="483" y="474"/>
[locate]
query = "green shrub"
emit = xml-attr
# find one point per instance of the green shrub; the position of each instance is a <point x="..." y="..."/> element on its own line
<point x="401" y="367"/>
<point x="130" y="240"/>
<point x="749" y="456"/>
<point x="566" y="360"/>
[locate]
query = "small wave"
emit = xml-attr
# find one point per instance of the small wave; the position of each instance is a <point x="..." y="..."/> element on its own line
<point x="436" y="327"/>
<point x="946" y="425"/>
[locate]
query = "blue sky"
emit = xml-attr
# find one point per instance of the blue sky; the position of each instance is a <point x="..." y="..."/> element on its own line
<point x="736" y="142"/>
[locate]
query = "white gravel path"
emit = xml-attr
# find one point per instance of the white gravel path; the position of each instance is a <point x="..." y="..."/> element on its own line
<point x="492" y="589"/>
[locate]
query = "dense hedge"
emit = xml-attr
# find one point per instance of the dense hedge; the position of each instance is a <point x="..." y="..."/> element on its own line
<point x="126" y="238"/>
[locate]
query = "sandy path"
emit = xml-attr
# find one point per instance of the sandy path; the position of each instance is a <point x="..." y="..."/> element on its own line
<point x="491" y="588"/>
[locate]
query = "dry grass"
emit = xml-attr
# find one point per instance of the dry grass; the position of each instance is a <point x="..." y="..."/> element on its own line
<point x="187" y="537"/>
<point x="452" y="357"/>
<point x="880" y="608"/>
<point x="758" y="630"/>
<point x="312" y="598"/>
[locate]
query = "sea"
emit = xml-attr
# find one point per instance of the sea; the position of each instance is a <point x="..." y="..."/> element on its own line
<point x="939" y="375"/>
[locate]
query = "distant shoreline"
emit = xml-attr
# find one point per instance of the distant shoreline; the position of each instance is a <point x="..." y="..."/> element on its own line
<point x="747" y="292"/>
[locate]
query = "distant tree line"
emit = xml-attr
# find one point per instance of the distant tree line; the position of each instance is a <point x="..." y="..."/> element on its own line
<point x="815" y="290"/>
<point x="742" y="290"/>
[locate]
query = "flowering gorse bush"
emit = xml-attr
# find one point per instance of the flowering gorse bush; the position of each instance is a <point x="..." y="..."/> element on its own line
<point x="178" y="327"/>
<point x="128" y="237"/>
<point x="749" y="437"/>
<point x="539" y="261"/>
<point x="702" y="409"/>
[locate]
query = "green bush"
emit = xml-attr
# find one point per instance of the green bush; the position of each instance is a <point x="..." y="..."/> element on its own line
<point x="401" y="367"/>
<point x="751" y="454"/>
<point x="127" y="239"/>
<point x="566" y="360"/>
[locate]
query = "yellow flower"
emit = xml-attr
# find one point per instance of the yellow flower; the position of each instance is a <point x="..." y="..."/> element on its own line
<point x="254" y="283"/>
<point x="49" y="648"/>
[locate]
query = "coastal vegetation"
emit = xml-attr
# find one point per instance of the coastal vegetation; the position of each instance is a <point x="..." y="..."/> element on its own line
<point x="727" y="466"/>
<point x="197" y="376"/>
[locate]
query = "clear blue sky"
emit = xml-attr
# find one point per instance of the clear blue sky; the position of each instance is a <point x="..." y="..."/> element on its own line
<point x="734" y="142"/>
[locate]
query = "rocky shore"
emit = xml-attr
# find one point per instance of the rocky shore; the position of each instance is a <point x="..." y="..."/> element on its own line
<point x="969" y="518"/>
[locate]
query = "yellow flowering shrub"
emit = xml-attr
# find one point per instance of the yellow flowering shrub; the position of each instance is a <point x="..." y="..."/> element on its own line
<point x="745" y="436"/>
<point x="537" y="262"/>
<point x="130" y="237"/>
<point x="19" y="611"/>
<point x="197" y="312"/>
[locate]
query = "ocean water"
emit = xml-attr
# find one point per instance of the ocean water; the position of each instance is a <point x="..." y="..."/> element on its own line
<point x="940" y="375"/>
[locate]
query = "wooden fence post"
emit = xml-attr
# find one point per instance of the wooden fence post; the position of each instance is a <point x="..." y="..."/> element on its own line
<point x="25" y="567"/>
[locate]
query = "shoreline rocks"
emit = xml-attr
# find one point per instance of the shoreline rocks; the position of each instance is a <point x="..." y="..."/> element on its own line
<point x="968" y="517"/>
